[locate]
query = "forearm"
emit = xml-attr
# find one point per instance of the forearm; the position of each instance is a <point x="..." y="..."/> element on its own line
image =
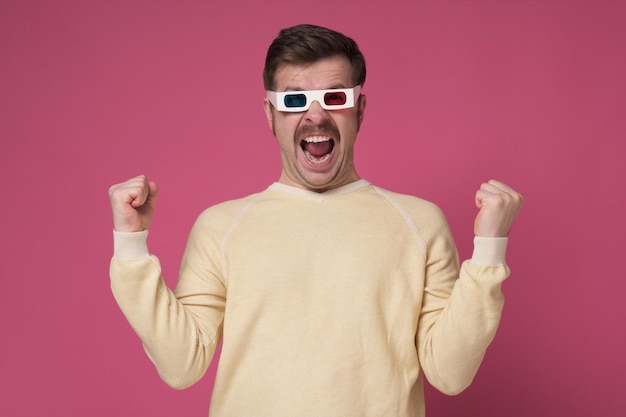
<point x="176" y="340"/>
<point x="456" y="338"/>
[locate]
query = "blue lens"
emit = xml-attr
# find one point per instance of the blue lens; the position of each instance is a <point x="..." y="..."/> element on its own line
<point x="295" y="100"/>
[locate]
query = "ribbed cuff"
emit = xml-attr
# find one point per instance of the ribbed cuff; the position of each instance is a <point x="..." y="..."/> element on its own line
<point x="489" y="251"/>
<point x="129" y="246"/>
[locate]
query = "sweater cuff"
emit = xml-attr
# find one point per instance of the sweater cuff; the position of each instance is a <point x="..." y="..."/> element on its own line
<point x="129" y="246"/>
<point x="489" y="251"/>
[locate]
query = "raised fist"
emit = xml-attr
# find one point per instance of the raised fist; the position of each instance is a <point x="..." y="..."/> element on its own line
<point x="499" y="205"/>
<point x="132" y="204"/>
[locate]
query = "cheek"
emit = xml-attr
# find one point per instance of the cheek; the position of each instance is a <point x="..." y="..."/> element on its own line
<point x="349" y="125"/>
<point x="285" y="125"/>
<point x="284" y="129"/>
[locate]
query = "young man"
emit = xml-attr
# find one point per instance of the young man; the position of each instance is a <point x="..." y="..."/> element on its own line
<point x="333" y="296"/>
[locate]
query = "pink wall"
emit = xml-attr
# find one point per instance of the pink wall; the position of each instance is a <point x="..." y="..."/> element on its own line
<point x="92" y="92"/>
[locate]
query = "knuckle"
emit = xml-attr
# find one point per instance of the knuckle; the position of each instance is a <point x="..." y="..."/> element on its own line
<point x="114" y="191"/>
<point x="518" y="199"/>
<point x="117" y="193"/>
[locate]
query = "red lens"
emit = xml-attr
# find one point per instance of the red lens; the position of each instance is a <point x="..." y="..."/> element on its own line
<point x="336" y="98"/>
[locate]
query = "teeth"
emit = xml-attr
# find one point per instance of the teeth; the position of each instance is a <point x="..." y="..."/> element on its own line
<point x="315" y="160"/>
<point x="317" y="139"/>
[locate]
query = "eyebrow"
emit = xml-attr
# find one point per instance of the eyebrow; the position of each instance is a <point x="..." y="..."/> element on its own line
<point x="332" y="87"/>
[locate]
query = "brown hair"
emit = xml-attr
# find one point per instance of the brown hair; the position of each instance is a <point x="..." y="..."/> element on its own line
<point x="304" y="44"/>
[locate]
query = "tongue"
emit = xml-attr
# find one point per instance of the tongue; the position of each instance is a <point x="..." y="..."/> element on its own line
<point x="318" y="149"/>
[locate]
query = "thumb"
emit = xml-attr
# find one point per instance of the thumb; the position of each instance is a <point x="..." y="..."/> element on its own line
<point x="145" y="195"/>
<point x="152" y="192"/>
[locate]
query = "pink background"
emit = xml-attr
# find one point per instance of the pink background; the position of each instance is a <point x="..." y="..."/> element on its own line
<point x="92" y="92"/>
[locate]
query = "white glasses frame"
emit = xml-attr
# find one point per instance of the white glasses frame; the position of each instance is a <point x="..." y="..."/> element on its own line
<point x="277" y="98"/>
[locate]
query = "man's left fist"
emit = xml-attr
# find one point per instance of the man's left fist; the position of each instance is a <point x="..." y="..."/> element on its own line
<point x="499" y="205"/>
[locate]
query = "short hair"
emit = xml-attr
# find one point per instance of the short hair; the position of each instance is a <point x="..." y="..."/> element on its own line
<point x="304" y="44"/>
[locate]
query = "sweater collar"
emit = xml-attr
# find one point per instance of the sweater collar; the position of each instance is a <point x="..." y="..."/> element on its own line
<point x="314" y="195"/>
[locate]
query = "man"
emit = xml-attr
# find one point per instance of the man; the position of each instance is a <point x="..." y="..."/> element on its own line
<point x="333" y="296"/>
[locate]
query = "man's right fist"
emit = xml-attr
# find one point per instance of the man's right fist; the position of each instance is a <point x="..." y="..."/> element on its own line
<point x="132" y="203"/>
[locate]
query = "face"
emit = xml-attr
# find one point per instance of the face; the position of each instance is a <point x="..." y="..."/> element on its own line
<point x="317" y="145"/>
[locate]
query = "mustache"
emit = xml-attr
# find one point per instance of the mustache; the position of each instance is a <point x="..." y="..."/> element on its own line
<point x="326" y="127"/>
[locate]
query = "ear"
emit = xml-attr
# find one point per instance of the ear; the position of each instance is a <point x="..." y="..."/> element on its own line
<point x="361" y="110"/>
<point x="269" y="115"/>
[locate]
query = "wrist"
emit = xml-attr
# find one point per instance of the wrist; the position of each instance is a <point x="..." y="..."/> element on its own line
<point x="130" y="245"/>
<point x="489" y="251"/>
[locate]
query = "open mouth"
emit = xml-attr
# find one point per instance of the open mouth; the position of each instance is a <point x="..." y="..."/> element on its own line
<point x="317" y="149"/>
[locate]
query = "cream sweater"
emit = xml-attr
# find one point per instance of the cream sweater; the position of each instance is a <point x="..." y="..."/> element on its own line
<point x="330" y="304"/>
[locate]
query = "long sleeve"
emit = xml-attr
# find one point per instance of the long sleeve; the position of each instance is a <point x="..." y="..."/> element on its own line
<point x="459" y="317"/>
<point x="180" y="332"/>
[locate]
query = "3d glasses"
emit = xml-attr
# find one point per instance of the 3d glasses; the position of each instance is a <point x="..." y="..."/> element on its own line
<point x="296" y="101"/>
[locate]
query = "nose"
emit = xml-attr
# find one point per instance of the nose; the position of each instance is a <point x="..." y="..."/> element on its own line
<point x="316" y="113"/>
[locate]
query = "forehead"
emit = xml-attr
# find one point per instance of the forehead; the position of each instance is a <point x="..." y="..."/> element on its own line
<point x="332" y="72"/>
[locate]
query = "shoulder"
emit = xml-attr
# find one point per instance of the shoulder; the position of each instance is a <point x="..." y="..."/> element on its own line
<point x="225" y="213"/>
<point x="413" y="205"/>
<point x="424" y="217"/>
